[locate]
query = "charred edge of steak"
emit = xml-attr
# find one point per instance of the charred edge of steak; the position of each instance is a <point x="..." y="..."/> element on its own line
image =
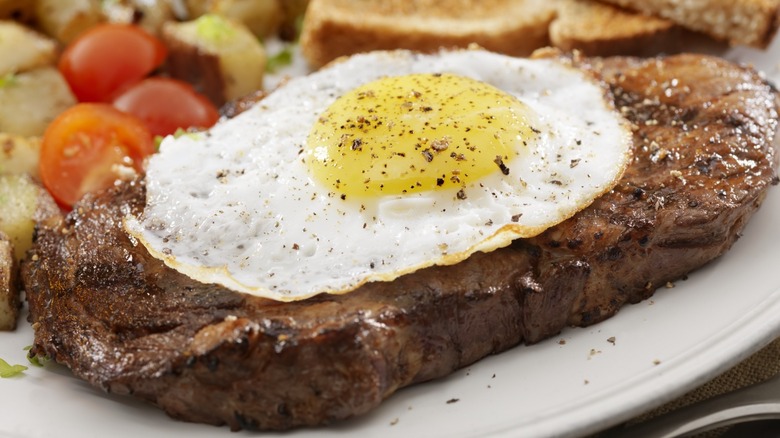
<point x="703" y="129"/>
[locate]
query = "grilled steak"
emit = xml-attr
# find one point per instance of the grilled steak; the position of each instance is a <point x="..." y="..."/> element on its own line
<point x="120" y="319"/>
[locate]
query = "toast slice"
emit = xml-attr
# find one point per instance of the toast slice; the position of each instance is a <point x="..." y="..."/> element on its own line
<point x="740" y="22"/>
<point x="334" y="28"/>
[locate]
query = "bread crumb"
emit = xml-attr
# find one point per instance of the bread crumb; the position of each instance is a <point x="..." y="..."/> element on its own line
<point x="453" y="400"/>
<point x="656" y="362"/>
<point x="611" y="340"/>
<point x="394" y="422"/>
<point x="669" y="285"/>
<point x="562" y="341"/>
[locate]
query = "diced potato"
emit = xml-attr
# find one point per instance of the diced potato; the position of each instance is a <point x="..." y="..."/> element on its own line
<point x="262" y="17"/>
<point x="9" y="292"/>
<point x="23" y="203"/>
<point x="30" y="101"/>
<point x="19" y="155"/>
<point x="18" y="201"/>
<point x="66" y="19"/>
<point x="23" y="49"/>
<point x="150" y="15"/>
<point x="222" y="58"/>
<point x="17" y="10"/>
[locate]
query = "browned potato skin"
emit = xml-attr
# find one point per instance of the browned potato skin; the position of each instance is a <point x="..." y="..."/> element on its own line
<point x="66" y="19"/>
<point x="17" y="10"/>
<point x="189" y="63"/>
<point x="9" y="285"/>
<point x="292" y="10"/>
<point x="223" y="71"/>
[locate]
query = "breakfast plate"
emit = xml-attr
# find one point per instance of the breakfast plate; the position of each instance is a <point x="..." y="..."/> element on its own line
<point x="576" y="383"/>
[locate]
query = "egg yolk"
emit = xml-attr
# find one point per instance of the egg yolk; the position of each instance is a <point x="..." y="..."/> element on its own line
<point x="417" y="132"/>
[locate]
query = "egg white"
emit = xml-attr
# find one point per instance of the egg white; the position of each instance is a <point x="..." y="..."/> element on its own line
<point x="237" y="206"/>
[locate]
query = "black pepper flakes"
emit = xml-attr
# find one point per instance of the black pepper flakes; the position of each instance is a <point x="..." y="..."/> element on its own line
<point x="500" y="163"/>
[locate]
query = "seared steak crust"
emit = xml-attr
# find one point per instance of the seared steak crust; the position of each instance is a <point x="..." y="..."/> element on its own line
<point x="704" y="133"/>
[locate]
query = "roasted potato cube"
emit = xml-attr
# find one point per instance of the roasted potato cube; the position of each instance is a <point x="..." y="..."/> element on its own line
<point x="262" y="17"/>
<point x="18" y="201"/>
<point x="19" y="154"/>
<point x="221" y="58"/>
<point x="9" y="292"/>
<point x="23" y="203"/>
<point x="29" y="101"/>
<point x="23" y="49"/>
<point x="66" y="19"/>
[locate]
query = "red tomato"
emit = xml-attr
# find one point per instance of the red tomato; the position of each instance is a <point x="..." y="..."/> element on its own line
<point x="109" y="58"/>
<point x="166" y="105"/>
<point x="84" y="146"/>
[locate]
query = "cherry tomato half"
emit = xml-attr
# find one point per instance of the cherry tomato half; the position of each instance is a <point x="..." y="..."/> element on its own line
<point x="166" y="105"/>
<point x="109" y="58"/>
<point x="85" y="148"/>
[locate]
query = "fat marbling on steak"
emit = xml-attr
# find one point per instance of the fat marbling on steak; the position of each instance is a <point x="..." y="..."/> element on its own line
<point x="704" y="133"/>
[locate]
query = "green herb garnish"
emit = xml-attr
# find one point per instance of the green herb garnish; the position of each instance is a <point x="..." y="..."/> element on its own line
<point x="8" y="80"/>
<point x="214" y="28"/>
<point x="35" y="360"/>
<point x="8" y="370"/>
<point x="279" y="60"/>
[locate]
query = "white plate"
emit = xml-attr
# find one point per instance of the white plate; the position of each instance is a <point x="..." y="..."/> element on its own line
<point x="571" y="385"/>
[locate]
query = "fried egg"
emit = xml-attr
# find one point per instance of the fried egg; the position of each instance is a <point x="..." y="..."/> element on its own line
<point x="380" y="165"/>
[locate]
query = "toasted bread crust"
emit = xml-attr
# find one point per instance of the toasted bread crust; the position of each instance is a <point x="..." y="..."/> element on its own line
<point x="335" y="28"/>
<point x="600" y="29"/>
<point x="739" y="22"/>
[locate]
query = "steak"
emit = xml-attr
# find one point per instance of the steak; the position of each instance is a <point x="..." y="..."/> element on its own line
<point x="704" y="133"/>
